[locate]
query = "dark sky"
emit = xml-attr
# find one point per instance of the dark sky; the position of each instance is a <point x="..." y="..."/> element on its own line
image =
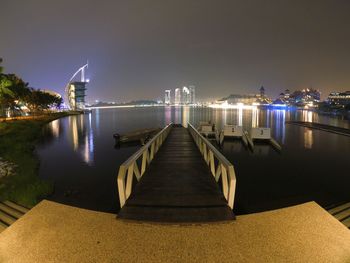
<point x="136" y="49"/>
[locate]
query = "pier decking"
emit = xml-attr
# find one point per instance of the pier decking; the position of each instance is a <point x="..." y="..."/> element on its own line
<point x="322" y="127"/>
<point x="178" y="186"/>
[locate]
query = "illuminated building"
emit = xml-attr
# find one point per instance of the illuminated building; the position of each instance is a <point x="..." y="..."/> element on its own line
<point x="178" y="96"/>
<point x="75" y="90"/>
<point x="185" y="95"/>
<point x="305" y="97"/>
<point x="192" y="90"/>
<point x="236" y="98"/>
<point x="76" y="95"/>
<point x="339" y="98"/>
<point x="167" y="99"/>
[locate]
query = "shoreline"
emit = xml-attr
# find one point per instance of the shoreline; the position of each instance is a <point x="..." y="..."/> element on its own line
<point x="18" y="138"/>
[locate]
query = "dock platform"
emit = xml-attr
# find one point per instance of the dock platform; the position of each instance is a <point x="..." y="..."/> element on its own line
<point x="178" y="186"/>
<point x="322" y="127"/>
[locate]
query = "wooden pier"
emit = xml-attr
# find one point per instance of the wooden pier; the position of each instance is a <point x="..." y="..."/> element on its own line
<point x="178" y="185"/>
<point x="9" y="213"/>
<point x="322" y="127"/>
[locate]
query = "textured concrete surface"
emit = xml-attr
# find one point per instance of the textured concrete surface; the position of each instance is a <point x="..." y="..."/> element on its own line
<point x="52" y="232"/>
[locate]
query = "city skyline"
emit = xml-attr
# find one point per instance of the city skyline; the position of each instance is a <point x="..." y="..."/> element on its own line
<point x="222" y="47"/>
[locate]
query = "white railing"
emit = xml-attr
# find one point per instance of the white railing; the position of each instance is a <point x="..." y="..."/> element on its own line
<point x="130" y="167"/>
<point x="218" y="165"/>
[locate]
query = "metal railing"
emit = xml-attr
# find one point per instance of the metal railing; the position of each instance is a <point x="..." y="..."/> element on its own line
<point x="218" y="165"/>
<point x="130" y="167"/>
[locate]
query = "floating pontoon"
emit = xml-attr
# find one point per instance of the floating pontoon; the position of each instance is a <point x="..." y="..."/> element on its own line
<point x="232" y="131"/>
<point x="207" y="129"/>
<point x="262" y="134"/>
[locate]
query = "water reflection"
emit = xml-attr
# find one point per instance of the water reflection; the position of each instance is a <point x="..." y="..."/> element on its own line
<point x="55" y="128"/>
<point x="308" y="138"/>
<point x="82" y="129"/>
<point x="255" y="118"/>
<point x="280" y="123"/>
<point x="167" y="113"/>
<point x="261" y="150"/>
<point x="80" y="135"/>
<point x="185" y="115"/>
<point x="240" y="117"/>
<point x="85" y="144"/>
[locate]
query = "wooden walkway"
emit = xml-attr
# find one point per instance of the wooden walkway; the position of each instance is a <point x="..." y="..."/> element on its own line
<point x="322" y="127"/>
<point x="9" y="213"/>
<point x="177" y="187"/>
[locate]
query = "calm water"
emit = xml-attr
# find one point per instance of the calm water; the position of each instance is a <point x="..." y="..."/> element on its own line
<point x="77" y="153"/>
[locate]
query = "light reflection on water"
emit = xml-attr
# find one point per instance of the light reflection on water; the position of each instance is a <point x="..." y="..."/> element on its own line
<point x="85" y="144"/>
<point x="81" y="128"/>
<point x="81" y="136"/>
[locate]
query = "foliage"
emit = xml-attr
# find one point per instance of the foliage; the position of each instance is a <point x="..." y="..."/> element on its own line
<point x="15" y="93"/>
<point x="38" y="100"/>
<point x="17" y="143"/>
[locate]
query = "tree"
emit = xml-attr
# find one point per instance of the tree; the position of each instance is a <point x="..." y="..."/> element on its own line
<point x="4" y="82"/>
<point x="4" y="90"/>
<point x="14" y="93"/>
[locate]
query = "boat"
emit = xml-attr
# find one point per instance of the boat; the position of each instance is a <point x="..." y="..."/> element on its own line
<point x="138" y="136"/>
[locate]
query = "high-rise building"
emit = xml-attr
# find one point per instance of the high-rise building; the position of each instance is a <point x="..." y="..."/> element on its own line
<point x="76" y="95"/>
<point x="185" y="98"/>
<point x="192" y="90"/>
<point x="75" y="90"/>
<point x="167" y="99"/>
<point x="178" y="96"/>
<point x="184" y="95"/>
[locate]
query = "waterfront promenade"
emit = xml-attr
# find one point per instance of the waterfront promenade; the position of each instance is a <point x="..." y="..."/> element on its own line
<point x="53" y="232"/>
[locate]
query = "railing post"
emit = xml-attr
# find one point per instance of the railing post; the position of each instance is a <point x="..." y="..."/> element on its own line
<point x="218" y="173"/>
<point x="232" y="186"/>
<point x="152" y="152"/>
<point x="137" y="172"/>
<point x="129" y="167"/>
<point x="224" y="169"/>
<point x="212" y="165"/>
<point x="144" y="162"/>
<point x="121" y="185"/>
<point x="224" y="181"/>
<point x="129" y="180"/>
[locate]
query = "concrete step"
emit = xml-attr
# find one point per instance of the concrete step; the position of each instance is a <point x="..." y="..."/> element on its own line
<point x="10" y="211"/>
<point x="15" y="206"/>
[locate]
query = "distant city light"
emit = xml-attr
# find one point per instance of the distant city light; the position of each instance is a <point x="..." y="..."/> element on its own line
<point x="232" y="106"/>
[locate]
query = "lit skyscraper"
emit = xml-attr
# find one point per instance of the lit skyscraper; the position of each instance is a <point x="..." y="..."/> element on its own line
<point x="192" y="90"/>
<point x="185" y="95"/>
<point x="167" y="99"/>
<point x="178" y="96"/>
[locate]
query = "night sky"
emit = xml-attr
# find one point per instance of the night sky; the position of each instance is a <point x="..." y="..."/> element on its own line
<point x="137" y="49"/>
